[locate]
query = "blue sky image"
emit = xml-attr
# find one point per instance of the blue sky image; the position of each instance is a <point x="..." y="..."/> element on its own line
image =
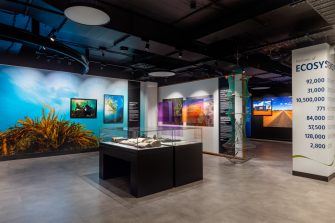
<point x="265" y="102"/>
<point x="281" y="103"/>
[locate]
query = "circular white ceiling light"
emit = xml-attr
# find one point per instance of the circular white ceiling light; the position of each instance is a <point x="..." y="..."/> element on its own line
<point x="87" y="15"/>
<point x="162" y="74"/>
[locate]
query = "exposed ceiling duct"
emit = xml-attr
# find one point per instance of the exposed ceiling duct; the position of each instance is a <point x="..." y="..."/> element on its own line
<point x="326" y="8"/>
<point x="263" y="33"/>
<point x="292" y="42"/>
<point x="21" y="36"/>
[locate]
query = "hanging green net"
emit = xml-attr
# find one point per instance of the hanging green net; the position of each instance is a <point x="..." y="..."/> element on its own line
<point x="241" y="127"/>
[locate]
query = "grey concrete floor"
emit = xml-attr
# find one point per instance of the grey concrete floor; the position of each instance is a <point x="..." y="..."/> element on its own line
<point x="67" y="189"/>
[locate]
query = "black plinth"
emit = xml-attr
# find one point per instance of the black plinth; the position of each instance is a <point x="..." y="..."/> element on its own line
<point x="150" y="170"/>
<point x="187" y="163"/>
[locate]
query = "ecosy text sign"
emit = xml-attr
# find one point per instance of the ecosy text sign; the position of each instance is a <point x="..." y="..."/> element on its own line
<point x="324" y="64"/>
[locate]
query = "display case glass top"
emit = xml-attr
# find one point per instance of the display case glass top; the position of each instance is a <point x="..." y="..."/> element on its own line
<point x="162" y="136"/>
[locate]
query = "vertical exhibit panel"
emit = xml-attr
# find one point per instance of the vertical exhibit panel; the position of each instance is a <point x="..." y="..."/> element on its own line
<point x="225" y="125"/>
<point x="149" y="109"/>
<point x="313" y="83"/>
<point x="134" y="99"/>
<point x="239" y="137"/>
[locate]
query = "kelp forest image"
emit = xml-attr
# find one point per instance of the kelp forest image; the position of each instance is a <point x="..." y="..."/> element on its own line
<point x="47" y="133"/>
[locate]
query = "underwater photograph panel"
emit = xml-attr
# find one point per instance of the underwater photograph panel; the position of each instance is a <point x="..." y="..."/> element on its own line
<point x="83" y="108"/>
<point x="113" y="108"/>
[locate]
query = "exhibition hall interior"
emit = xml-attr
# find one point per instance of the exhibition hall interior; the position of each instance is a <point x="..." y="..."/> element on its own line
<point x="167" y="111"/>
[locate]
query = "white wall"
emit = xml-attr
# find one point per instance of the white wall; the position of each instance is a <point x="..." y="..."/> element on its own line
<point x="210" y="135"/>
<point x="149" y="109"/>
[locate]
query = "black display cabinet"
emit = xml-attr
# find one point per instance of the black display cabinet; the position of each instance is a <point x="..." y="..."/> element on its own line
<point x="188" y="163"/>
<point x="154" y="160"/>
<point x="150" y="170"/>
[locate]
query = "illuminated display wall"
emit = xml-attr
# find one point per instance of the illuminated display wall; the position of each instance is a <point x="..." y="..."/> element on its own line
<point x="26" y="92"/>
<point x="278" y="125"/>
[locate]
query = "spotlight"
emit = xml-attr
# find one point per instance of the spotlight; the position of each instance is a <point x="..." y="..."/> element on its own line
<point x="147" y="46"/>
<point x="52" y="35"/>
<point x="43" y="47"/>
<point x="180" y="54"/>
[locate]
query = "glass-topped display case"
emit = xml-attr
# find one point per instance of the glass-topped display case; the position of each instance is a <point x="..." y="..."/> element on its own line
<point x="150" y="138"/>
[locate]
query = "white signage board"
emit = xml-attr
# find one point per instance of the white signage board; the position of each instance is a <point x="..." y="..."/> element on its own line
<point x="239" y="137"/>
<point x="313" y="95"/>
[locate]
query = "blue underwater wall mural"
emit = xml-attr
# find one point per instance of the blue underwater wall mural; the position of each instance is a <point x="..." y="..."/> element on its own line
<point x="26" y="92"/>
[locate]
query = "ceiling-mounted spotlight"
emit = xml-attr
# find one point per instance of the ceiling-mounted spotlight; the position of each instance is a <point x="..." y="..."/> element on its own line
<point x="52" y="35"/>
<point x="180" y="54"/>
<point x="147" y="46"/>
<point x="88" y="13"/>
<point x="193" y="4"/>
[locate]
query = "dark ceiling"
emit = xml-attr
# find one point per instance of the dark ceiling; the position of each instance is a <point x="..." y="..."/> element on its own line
<point x="214" y="37"/>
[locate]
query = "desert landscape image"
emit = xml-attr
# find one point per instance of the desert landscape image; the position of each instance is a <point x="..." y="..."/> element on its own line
<point x="281" y="113"/>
